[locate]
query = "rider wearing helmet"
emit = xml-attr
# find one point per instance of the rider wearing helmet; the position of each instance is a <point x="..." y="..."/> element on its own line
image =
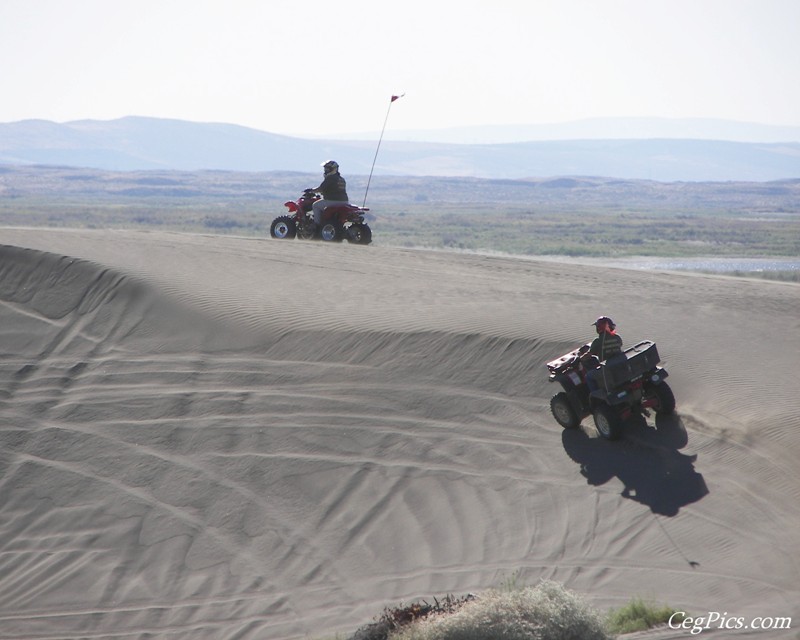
<point x="333" y="189"/>
<point x="607" y="343"/>
<point x="606" y="346"/>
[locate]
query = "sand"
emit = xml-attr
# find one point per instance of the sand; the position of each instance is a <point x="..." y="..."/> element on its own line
<point x="219" y="437"/>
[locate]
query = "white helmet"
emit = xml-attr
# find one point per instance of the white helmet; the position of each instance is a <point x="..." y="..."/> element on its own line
<point x="330" y="166"/>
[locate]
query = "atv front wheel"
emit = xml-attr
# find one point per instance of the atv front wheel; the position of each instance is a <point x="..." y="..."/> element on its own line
<point x="608" y="422"/>
<point x="665" y="398"/>
<point x="283" y="228"/>
<point x="359" y="233"/>
<point x="563" y="412"/>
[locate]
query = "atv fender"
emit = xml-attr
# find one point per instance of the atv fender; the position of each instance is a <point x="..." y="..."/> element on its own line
<point x="657" y="375"/>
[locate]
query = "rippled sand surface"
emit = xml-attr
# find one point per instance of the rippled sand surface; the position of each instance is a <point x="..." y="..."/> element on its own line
<point x="218" y="437"/>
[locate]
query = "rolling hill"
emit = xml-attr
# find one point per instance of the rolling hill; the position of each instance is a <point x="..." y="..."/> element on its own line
<point x="137" y="143"/>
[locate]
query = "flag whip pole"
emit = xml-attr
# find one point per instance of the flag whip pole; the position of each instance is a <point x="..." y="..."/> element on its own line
<point x="385" y="120"/>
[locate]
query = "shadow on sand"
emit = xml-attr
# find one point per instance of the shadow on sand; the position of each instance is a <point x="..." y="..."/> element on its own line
<point x="647" y="460"/>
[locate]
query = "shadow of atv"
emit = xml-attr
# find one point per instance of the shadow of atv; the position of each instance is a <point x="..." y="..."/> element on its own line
<point x="648" y="463"/>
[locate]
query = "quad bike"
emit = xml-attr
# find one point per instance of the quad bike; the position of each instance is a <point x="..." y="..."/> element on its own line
<point x="628" y="383"/>
<point x="338" y="222"/>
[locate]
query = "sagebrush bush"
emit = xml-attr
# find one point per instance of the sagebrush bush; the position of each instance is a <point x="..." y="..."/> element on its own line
<point x="545" y="612"/>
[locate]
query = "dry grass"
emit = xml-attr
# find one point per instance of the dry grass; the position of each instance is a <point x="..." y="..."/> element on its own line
<point x="513" y="611"/>
<point x="638" y="615"/>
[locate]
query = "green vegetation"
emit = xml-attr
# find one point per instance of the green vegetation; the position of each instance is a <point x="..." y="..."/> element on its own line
<point x="597" y="234"/>
<point x="639" y="615"/>
<point x="781" y="276"/>
<point x="578" y="217"/>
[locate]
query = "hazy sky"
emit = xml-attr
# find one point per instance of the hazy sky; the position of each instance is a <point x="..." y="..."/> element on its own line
<point x="314" y="67"/>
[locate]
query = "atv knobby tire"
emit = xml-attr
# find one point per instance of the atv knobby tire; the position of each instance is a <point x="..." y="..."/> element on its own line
<point x="666" y="399"/>
<point x="359" y="233"/>
<point x="607" y="422"/>
<point x="283" y="228"/>
<point x="306" y="231"/>
<point x="331" y="232"/>
<point x="563" y="412"/>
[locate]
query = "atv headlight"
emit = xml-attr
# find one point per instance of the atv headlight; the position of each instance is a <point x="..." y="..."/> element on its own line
<point x="655" y="378"/>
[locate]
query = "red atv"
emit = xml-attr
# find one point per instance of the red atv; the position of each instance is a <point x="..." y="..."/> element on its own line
<point x="628" y="383"/>
<point x="338" y="222"/>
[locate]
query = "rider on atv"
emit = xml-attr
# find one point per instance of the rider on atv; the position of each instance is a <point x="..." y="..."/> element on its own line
<point x="333" y="189"/>
<point x="606" y="345"/>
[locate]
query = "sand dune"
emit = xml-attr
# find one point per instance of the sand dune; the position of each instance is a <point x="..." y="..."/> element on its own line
<point x="215" y="437"/>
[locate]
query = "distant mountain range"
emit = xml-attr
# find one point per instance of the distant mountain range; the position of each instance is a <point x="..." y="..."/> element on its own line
<point x="138" y="143"/>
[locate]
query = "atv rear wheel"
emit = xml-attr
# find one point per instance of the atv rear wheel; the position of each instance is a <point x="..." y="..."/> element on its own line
<point x="608" y="422"/>
<point x="331" y="232"/>
<point x="359" y="233"/>
<point x="664" y="396"/>
<point x="563" y="412"/>
<point x="283" y="228"/>
<point x="306" y="231"/>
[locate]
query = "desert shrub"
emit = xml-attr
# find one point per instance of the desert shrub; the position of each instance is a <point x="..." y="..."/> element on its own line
<point x="637" y="615"/>
<point x="397" y="617"/>
<point x="545" y="612"/>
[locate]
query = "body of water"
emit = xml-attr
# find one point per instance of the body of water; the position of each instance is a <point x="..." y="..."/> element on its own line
<point x="719" y="265"/>
<point x="712" y="265"/>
